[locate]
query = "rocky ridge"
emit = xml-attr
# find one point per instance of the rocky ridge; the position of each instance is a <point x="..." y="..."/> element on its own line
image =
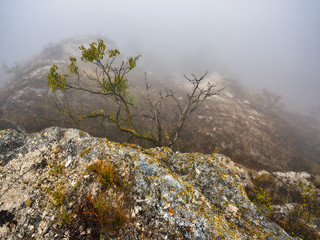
<point x="172" y="195"/>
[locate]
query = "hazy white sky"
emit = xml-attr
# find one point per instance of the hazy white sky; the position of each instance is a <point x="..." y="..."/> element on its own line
<point x="262" y="43"/>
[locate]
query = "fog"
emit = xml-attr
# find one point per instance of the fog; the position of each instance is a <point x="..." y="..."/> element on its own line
<point x="270" y="44"/>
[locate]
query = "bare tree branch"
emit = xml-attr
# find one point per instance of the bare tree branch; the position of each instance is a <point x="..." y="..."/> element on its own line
<point x="110" y="83"/>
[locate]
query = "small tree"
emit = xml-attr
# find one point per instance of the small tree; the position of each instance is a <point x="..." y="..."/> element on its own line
<point x="109" y="81"/>
<point x="11" y="70"/>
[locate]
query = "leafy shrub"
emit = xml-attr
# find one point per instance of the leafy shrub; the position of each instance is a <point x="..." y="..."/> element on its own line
<point x="261" y="199"/>
<point x="294" y="226"/>
<point x="306" y="198"/>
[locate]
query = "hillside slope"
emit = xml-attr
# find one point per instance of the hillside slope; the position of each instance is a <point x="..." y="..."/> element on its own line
<point x="251" y="128"/>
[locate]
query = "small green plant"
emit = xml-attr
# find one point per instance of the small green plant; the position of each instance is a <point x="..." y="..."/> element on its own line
<point x="58" y="195"/>
<point x="310" y="200"/>
<point x="261" y="199"/>
<point x="64" y="216"/>
<point x="109" y="213"/>
<point x="56" y="166"/>
<point x="104" y="171"/>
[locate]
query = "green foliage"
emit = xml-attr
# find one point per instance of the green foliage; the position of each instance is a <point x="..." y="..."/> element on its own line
<point x="58" y="195"/>
<point x="56" y="81"/>
<point x="262" y="199"/>
<point x="216" y="149"/>
<point x="113" y="81"/>
<point x="56" y="167"/>
<point x="310" y="200"/>
<point x="95" y="52"/>
<point x="132" y="62"/>
<point x="118" y="85"/>
<point x="133" y="101"/>
<point x="113" y="53"/>
<point x="64" y="216"/>
<point x="73" y="67"/>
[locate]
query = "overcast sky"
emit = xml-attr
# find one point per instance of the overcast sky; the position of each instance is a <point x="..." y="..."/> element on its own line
<point x="271" y="44"/>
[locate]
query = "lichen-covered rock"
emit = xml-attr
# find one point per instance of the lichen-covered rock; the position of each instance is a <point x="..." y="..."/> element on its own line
<point x="174" y="195"/>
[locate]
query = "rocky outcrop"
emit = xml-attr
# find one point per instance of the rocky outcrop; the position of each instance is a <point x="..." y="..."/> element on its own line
<point x="292" y="199"/>
<point x="169" y="195"/>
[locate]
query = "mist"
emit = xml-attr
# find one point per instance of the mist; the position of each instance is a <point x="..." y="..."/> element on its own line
<point x="271" y="44"/>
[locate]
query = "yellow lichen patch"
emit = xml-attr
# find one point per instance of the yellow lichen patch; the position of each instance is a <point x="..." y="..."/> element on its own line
<point x="243" y="191"/>
<point x="224" y="176"/>
<point x="154" y="177"/>
<point x="85" y="152"/>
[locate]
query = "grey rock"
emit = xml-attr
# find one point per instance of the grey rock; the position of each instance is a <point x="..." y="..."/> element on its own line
<point x="175" y="195"/>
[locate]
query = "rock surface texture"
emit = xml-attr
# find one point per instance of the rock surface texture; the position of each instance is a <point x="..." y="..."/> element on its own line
<point x="172" y="195"/>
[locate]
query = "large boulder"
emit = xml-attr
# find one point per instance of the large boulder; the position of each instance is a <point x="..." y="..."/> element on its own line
<point x="171" y="195"/>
